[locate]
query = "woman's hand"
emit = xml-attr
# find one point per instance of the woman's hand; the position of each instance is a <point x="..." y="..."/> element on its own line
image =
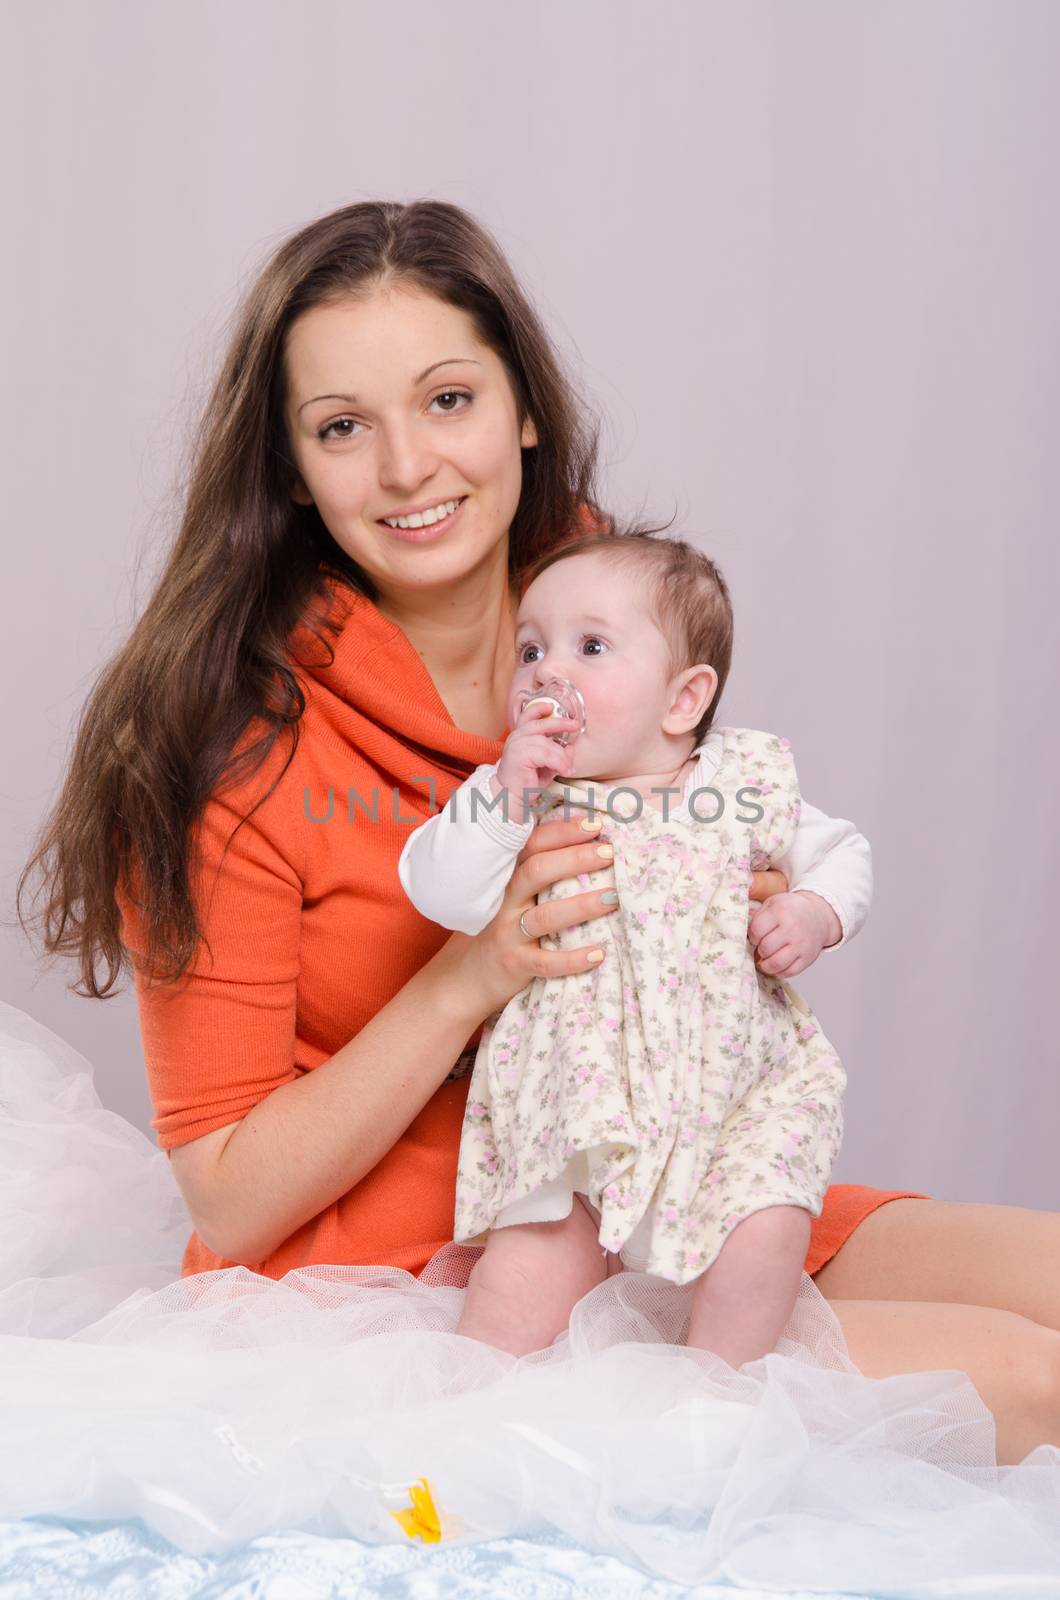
<point x="500" y="961"/>
<point x="763" y="884"/>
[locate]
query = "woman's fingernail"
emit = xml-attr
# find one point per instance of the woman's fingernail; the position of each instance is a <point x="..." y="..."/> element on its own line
<point x="609" y="897"/>
<point x="590" y="824"/>
<point x="605" y="851"/>
<point x="594" y="956"/>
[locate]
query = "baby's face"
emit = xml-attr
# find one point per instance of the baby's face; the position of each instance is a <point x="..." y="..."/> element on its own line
<point x="585" y="620"/>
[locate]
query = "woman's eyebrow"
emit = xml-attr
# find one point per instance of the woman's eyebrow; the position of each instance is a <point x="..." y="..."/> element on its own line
<point x="351" y="399"/>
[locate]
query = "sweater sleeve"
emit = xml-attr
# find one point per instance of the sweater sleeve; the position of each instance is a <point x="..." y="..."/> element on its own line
<point x="223" y="1037"/>
<point x="831" y="858"/>
<point x="456" y="866"/>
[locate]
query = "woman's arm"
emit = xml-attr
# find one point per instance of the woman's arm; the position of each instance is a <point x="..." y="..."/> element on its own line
<point x="312" y="1139"/>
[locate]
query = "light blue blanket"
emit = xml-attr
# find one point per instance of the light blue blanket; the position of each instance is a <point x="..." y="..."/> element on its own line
<point x="85" y="1561"/>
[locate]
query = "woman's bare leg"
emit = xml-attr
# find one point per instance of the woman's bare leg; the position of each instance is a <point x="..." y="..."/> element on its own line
<point x="924" y="1284"/>
<point x="948" y="1250"/>
<point x="1013" y="1362"/>
<point x="945" y="1247"/>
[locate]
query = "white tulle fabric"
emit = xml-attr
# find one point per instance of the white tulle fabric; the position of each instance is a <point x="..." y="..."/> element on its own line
<point x="220" y="1407"/>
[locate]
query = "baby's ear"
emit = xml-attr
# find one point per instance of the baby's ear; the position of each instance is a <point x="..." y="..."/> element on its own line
<point x="696" y="688"/>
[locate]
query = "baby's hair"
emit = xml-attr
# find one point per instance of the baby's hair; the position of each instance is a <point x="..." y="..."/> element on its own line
<point x="687" y="594"/>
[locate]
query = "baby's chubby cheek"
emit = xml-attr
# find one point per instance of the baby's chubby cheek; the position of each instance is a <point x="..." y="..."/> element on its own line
<point x="611" y="735"/>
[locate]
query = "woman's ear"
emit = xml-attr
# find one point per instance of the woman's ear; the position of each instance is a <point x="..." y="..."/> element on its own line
<point x="528" y="437"/>
<point x="299" y="493"/>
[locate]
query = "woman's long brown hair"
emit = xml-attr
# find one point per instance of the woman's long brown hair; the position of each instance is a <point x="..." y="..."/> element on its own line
<point x="209" y="657"/>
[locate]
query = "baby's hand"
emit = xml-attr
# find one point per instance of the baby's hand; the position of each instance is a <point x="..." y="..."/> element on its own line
<point x="789" y="931"/>
<point x="531" y="758"/>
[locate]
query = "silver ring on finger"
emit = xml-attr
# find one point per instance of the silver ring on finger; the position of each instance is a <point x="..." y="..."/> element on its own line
<point x="523" y="925"/>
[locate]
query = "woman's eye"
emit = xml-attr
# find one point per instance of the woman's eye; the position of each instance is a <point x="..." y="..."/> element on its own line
<point x="339" y="422"/>
<point x="451" y="395"/>
<point x="342" y="427"/>
<point x="595" y="641"/>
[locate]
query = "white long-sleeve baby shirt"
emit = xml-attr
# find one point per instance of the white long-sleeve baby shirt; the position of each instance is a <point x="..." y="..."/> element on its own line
<point x="456" y="866"/>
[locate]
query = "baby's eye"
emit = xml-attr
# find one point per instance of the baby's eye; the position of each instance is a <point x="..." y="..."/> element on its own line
<point x="522" y="654"/>
<point x="594" y="640"/>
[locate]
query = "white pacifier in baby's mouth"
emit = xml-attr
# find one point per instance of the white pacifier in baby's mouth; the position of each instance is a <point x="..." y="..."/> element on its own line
<point x="563" y="700"/>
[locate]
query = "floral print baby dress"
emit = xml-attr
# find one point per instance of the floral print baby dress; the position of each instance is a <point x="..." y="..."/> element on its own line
<point x="674" y="1084"/>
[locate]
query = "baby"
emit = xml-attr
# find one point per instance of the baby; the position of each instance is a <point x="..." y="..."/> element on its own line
<point x="680" y="1090"/>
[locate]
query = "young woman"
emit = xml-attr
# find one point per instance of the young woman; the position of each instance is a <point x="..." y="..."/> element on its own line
<point x="324" y="659"/>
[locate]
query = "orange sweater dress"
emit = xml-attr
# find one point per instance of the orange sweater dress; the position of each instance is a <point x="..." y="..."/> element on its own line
<point x="311" y="934"/>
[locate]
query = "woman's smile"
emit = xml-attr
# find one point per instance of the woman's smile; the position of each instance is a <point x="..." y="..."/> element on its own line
<point x="417" y="530"/>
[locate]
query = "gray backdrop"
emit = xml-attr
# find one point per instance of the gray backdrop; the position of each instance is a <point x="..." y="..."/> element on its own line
<point x="803" y="257"/>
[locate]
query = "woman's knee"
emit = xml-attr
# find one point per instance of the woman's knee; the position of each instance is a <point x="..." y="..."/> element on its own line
<point x="1032" y="1368"/>
<point x="1013" y="1362"/>
<point x="1022" y="1386"/>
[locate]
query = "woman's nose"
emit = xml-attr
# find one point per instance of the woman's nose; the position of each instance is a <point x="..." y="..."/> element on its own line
<point x="406" y="458"/>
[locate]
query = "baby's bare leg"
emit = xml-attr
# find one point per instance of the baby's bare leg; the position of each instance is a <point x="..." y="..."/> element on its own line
<point x="528" y="1279"/>
<point x="742" y="1302"/>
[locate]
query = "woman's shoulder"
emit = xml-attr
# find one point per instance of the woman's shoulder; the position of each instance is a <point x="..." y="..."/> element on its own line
<point x="267" y="771"/>
<point x="255" y="807"/>
<point x="244" y="845"/>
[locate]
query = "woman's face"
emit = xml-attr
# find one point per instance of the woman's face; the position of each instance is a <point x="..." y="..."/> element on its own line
<point x="395" y="407"/>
